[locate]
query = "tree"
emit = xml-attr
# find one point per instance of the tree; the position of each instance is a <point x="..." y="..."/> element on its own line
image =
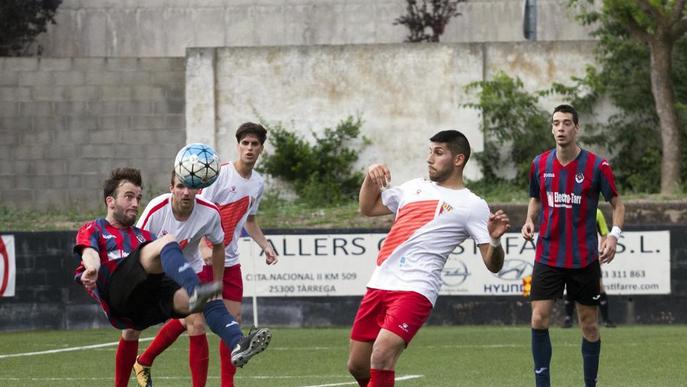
<point x="657" y="25"/>
<point x="431" y="15"/>
<point x="21" y="21"/>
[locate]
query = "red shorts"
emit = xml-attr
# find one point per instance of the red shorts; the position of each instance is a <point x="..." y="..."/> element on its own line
<point x="401" y="312"/>
<point x="232" y="282"/>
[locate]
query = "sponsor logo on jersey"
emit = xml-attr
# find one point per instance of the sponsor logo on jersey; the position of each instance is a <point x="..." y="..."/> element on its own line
<point x="109" y="236"/>
<point x="549" y="175"/>
<point x="445" y="208"/>
<point x="562" y="199"/>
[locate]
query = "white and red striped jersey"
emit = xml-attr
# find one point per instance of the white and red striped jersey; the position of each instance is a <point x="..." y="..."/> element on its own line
<point x="430" y="222"/>
<point x="236" y="198"/>
<point x="204" y="221"/>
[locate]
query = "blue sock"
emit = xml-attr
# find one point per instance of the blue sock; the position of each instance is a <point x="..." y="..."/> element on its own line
<point x="590" y="360"/>
<point x="222" y="323"/>
<point x="541" y="352"/>
<point x="177" y="268"/>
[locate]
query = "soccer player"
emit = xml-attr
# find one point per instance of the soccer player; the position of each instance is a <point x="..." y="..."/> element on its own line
<point x="602" y="229"/>
<point x="565" y="183"/>
<point x="138" y="281"/>
<point x="432" y="217"/>
<point x="237" y="193"/>
<point x="192" y="218"/>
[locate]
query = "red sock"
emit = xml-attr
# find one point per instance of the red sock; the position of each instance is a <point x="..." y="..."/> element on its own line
<point x="165" y="337"/>
<point x="198" y="355"/>
<point x="124" y="361"/>
<point x="381" y="378"/>
<point x="228" y="369"/>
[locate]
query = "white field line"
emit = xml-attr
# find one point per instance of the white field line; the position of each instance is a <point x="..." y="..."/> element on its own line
<point x="400" y="378"/>
<point x="317" y="348"/>
<point x="68" y="349"/>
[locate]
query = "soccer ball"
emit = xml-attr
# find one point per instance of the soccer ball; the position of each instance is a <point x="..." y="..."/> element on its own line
<point x="197" y="165"/>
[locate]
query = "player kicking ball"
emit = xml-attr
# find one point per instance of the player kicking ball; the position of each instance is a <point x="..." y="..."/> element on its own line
<point x="139" y="281"/>
<point x="191" y="218"/>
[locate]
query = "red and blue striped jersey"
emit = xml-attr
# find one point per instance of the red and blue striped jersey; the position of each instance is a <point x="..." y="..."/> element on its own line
<point x="569" y="197"/>
<point x="112" y="244"/>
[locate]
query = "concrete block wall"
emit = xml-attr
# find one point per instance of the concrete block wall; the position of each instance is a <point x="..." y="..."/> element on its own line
<point x="404" y="93"/>
<point x="66" y="122"/>
<point x="152" y="28"/>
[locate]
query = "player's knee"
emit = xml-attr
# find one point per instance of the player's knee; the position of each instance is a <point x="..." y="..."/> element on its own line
<point x="130" y="334"/>
<point x="383" y="357"/>
<point x="196" y="327"/>
<point x="358" y="368"/>
<point x="540" y="321"/>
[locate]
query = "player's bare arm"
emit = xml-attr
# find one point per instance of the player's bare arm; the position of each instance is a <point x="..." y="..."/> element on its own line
<point x="492" y="253"/>
<point x="218" y="262"/>
<point x="533" y="208"/>
<point x="258" y="236"/>
<point x="610" y="244"/>
<point x="91" y="262"/>
<point x="370" y="199"/>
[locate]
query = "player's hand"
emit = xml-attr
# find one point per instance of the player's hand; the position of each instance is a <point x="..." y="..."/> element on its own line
<point x="270" y="255"/>
<point x="528" y="230"/>
<point x="608" y="247"/>
<point x="89" y="278"/>
<point x="379" y="174"/>
<point x="498" y="224"/>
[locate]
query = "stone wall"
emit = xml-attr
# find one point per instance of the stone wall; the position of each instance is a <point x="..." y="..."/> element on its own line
<point x="404" y="93"/>
<point x="153" y="28"/>
<point x="66" y="122"/>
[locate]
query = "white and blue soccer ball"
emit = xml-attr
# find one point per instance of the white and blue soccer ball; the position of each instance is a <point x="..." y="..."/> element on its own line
<point x="197" y="165"/>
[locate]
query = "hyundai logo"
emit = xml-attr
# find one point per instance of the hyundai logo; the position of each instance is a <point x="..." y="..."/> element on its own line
<point x="515" y="270"/>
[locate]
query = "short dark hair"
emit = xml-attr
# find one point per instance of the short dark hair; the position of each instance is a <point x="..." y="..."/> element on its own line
<point x="566" y="109"/>
<point x="456" y="141"/>
<point x="117" y="176"/>
<point x="251" y="128"/>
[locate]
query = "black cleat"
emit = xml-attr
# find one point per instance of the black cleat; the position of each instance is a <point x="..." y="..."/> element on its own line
<point x="202" y="294"/>
<point x="257" y="341"/>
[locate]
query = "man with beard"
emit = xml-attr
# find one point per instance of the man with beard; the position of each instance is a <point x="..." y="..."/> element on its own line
<point x="137" y="280"/>
<point x="432" y="217"/>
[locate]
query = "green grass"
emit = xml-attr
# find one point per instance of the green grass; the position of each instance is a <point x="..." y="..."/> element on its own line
<point x="439" y="356"/>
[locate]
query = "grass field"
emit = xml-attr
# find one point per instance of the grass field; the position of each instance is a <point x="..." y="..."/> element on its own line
<point x="439" y="356"/>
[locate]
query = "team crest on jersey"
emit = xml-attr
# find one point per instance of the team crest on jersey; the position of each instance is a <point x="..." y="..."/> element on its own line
<point x="232" y="189"/>
<point x="579" y="178"/>
<point x="418" y="191"/>
<point x="445" y="207"/>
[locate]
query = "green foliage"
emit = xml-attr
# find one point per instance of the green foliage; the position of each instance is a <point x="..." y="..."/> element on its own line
<point x="515" y="128"/>
<point x="321" y="173"/>
<point x="431" y="15"/>
<point x="633" y="134"/>
<point x="21" y="21"/>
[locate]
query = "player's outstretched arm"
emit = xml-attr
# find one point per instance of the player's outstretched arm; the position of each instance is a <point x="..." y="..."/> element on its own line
<point x="492" y="252"/>
<point x="91" y="262"/>
<point x="370" y="197"/>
